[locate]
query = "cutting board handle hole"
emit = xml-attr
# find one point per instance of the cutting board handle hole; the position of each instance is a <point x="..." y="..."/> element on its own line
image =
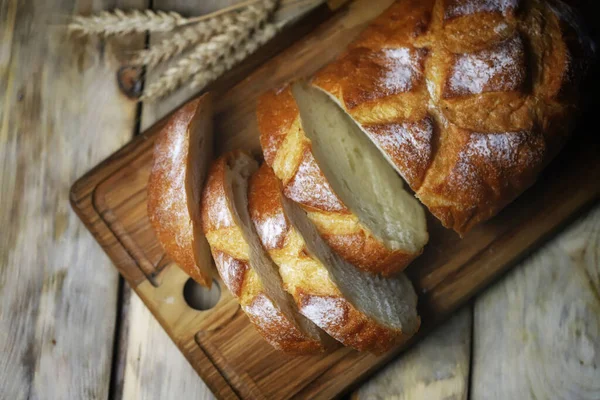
<point x="200" y="298"/>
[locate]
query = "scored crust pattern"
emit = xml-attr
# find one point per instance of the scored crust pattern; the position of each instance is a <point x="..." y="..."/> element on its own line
<point x="467" y="98"/>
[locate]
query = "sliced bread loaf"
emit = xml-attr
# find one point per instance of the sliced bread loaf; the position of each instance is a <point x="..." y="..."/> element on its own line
<point x="359" y="309"/>
<point x="351" y="193"/>
<point x="243" y="264"/>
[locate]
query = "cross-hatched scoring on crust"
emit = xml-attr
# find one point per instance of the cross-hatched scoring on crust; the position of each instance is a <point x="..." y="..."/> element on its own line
<point x="232" y="271"/>
<point x="272" y="230"/>
<point x="231" y="253"/>
<point x="489" y="161"/>
<point x="230" y="240"/>
<point x="335" y="224"/>
<point x="290" y="153"/>
<point x="493" y="71"/>
<point x="500" y="68"/>
<point x="310" y="187"/>
<point x="372" y="75"/>
<point x="405" y="141"/>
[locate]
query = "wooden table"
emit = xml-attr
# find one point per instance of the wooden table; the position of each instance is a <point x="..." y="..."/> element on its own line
<point x="71" y="329"/>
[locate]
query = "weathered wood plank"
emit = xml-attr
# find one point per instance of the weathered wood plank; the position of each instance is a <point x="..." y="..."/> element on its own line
<point x="155" y="367"/>
<point x="436" y="368"/>
<point x="537" y="332"/>
<point x="58" y="98"/>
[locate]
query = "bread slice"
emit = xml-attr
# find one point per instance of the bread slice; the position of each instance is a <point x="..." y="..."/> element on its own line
<point x="354" y="197"/>
<point x="243" y="264"/>
<point x="182" y="152"/>
<point x="359" y="309"/>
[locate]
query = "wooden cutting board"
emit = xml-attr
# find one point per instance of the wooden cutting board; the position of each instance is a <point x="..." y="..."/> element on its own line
<point x="220" y="343"/>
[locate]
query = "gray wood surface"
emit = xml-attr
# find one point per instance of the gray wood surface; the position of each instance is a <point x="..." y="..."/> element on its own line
<point x="535" y="334"/>
<point x="436" y="368"/>
<point x="58" y="293"/>
<point x="155" y="368"/>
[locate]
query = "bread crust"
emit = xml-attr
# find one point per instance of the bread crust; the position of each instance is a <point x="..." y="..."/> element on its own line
<point x="288" y="151"/>
<point x="231" y="255"/>
<point x="459" y="96"/>
<point x="172" y="210"/>
<point x="315" y="294"/>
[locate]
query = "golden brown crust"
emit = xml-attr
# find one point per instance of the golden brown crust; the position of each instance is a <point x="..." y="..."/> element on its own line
<point x="306" y="278"/>
<point x="348" y="325"/>
<point x="232" y="271"/>
<point x="409" y="144"/>
<point x="492" y="77"/>
<point x="277" y="329"/>
<point x="277" y="113"/>
<point x="231" y="253"/>
<point x="362" y="249"/>
<point x="264" y="205"/>
<point x="289" y="152"/>
<point x="170" y="207"/>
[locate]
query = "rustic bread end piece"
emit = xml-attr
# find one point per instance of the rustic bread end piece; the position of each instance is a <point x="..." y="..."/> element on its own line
<point x="243" y="264"/>
<point x="182" y="152"/>
<point x="359" y="309"/>
<point x="327" y="165"/>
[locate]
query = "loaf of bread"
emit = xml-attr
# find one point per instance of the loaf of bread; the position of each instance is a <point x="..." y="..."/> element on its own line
<point x="465" y="100"/>
<point x="361" y="310"/>
<point x="243" y="264"/>
<point x="468" y="99"/>
<point x="327" y="165"/>
<point x="182" y="154"/>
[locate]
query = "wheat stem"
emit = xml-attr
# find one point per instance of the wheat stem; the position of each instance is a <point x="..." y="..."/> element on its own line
<point x="182" y="41"/>
<point x="120" y="22"/>
<point x="249" y="46"/>
<point x="196" y="33"/>
<point x="205" y="55"/>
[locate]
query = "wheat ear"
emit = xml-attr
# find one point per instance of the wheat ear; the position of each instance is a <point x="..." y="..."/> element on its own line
<point x="190" y="36"/>
<point x="120" y="22"/>
<point x="207" y="54"/>
<point x="182" y="41"/>
<point x="249" y="46"/>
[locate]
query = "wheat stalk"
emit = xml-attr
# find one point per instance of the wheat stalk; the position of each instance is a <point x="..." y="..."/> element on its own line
<point x="182" y="41"/>
<point x="120" y="22"/>
<point x="192" y="35"/>
<point x="206" y="55"/>
<point x="249" y="46"/>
